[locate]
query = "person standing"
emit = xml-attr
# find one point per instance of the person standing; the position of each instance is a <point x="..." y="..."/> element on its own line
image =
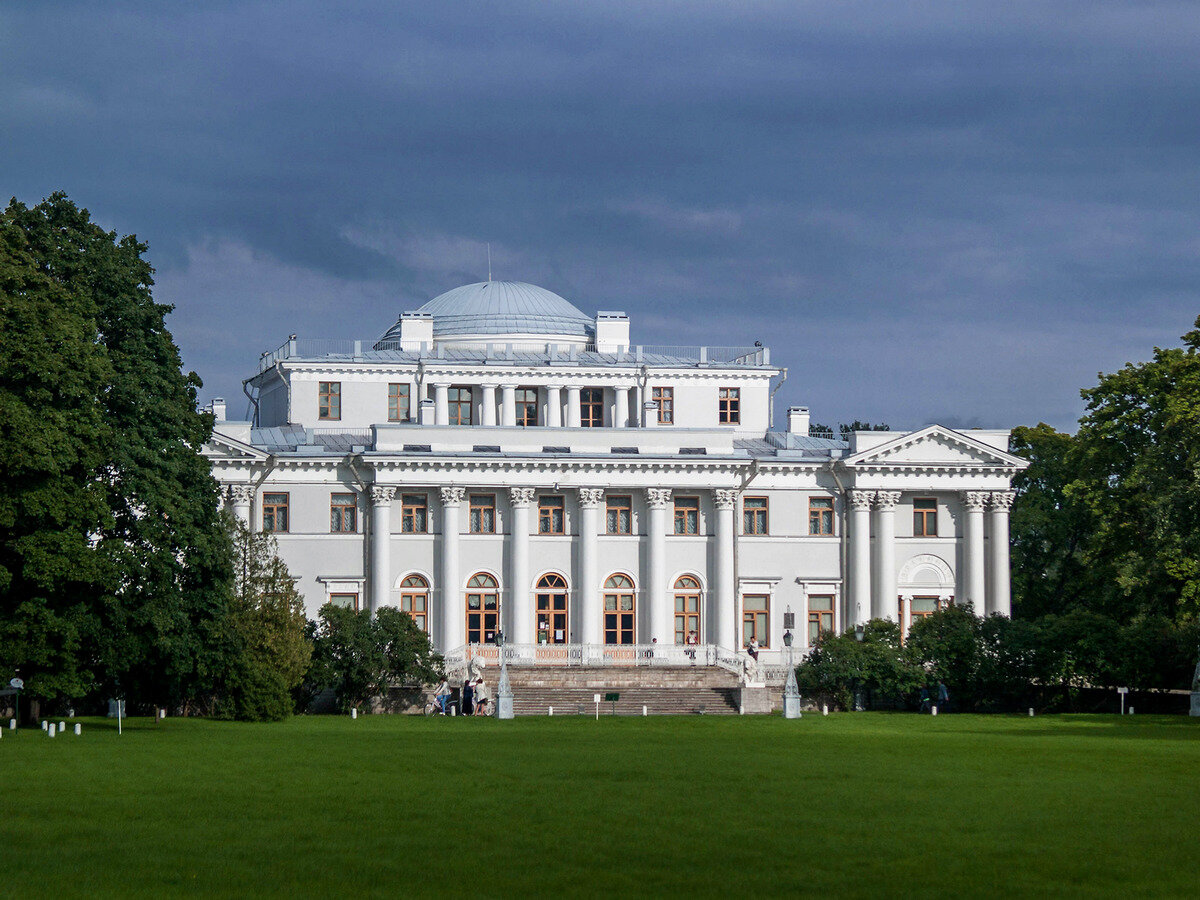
<point x="468" y="698"/>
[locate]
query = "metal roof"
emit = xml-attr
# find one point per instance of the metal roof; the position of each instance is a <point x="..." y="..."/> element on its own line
<point x="503" y="307"/>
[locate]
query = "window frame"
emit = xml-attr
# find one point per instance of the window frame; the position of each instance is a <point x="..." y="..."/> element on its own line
<point x="816" y="515"/>
<point x="547" y="589"/>
<point x="815" y="616"/>
<point x="591" y="412"/>
<point x="352" y="507"/>
<point x="686" y="592"/>
<point x="398" y="390"/>
<point x="524" y="406"/>
<point x="275" y="507"/>
<point x="611" y="506"/>
<point x="456" y="405"/>
<point x="547" y="505"/>
<point x="486" y="505"/>
<point x="408" y="513"/>
<point x="410" y="590"/>
<point x="684" y="510"/>
<point x="924" y="515"/>
<point x="758" y="512"/>
<point x="484" y="586"/>
<point x="664" y="396"/>
<point x="329" y="401"/>
<point x="618" y="586"/>
<point x="729" y="406"/>
<point x="353" y="604"/>
<point x="764" y="639"/>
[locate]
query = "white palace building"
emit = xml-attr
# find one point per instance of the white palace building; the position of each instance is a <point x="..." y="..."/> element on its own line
<point x="498" y="460"/>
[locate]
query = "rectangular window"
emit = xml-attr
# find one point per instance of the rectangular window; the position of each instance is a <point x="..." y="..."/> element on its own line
<point x="459" y="400"/>
<point x="414" y="514"/>
<point x="416" y="604"/>
<point x="330" y="400"/>
<point x="925" y="517"/>
<point x="754" y="515"/>
<point x="349" y="601"/>
<point x="665" y="398"/>
<point x="820" y="616"/>
<point x="620" y="514"/>
<point x="527" y="406"/>
<point x="343" y="513"/>
<point x="729" y="406"/>
<point x="923" y="606"/>
<point x="398" y="402"/>
<point x="275" y="513"/>
<point x="591" y="407"/>
<point x="687" y="515"/>
<point x="754" y="619"/>
<point x="483" y="514"/>
<point x="551" y="518"/>
<point x="820" y="515"/>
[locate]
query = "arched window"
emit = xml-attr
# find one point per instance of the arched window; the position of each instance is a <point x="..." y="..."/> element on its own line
<point x="620" y="610"/>
<point x="687" y="610"/>
<point x="483" y="609"/>
<point x="552" y="606"/>
<point x="414" y="600"/>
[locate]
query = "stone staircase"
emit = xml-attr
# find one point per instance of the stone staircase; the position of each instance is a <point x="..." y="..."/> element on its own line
<point x="663" y="690"/>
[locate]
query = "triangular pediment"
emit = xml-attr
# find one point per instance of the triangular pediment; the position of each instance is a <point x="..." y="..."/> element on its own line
<point x="223" y="447"/>
<point x="934" y="445"/>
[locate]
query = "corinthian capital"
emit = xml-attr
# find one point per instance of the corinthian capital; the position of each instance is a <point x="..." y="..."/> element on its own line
<point x="861" y="499"/>
<point x="591" y="497"/>
<point x="382" y="494"/>
<point x="1003" y="499"/>
<point x="241" y="493"/>
<point x="886" y="499"/>
<point x="520" y="496"/>
<point x="723" y="498"/>
<point x="453" y="496"/>
<point x="975" y="501"/>
<point x="658" y="498"/>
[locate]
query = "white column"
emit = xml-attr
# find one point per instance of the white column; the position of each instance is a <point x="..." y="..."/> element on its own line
<point x="859" y="608"/>
<point x="554" y="406"/>
<point x="241" y="496"/>
<point x="489" y="405"/>
<point x="654" y="589"/>
<point x="519" y="615"/>
<point x="587" y="612"/>
<point x="441" y="401"/>
<point x="454" y="613"/>
<point x="635" y="406"/>
<point x="1000" y="595"/>
<point x="573" y="417"/>
<point x="973" y="585"/>
<point x="884" y="600"/>
<point x="380" y="585"/>
<point x="725" y="590"/>
<point x="508" y="404"/>
<point x="905" y="613"/>
<point x="621" y="412"/>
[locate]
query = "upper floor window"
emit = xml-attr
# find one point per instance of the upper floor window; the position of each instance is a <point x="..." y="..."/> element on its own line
<point x="687" y="515"/>
<point x="275" y="512"/>
<point x="619" y="513"/>
<point x="820" y="616"/>
<point x="551" y="515"/>
<point x="665" y="398"/>
<point x="591" y="407"/>
<point x="483" y="514"/>
<point x="754" y="515"/>
<point x="343" y="513"/>
<point x="414" y="513"/>
<point x="399" y="402"/>
<point x="925" y="517"/>
<point x="527" y="406"/>
<point x="729" y="406"/>
<point x="820" y="515"/>
<point x="460" y="405"/>
<point x="330" y="400"/>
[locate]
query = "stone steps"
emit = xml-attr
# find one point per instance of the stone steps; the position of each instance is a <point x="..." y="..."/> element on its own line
<point x="657" y="701"/>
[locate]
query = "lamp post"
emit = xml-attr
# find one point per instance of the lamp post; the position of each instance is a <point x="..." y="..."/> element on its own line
<point x="791" y="690"/>
<point x="859" y="634"/>
<point x="504" y="697"/>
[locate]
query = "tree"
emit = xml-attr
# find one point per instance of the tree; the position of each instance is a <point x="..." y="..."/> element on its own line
<point x="874" y="668"/>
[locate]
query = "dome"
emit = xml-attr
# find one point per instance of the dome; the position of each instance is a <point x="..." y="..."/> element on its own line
<point x="505" y="307"/>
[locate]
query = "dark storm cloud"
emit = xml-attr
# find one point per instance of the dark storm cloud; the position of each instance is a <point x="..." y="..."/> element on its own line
<point x="931" y="211"/>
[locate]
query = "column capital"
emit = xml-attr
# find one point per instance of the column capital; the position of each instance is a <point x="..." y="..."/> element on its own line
<point x="520" y="496"/>
<point x="1003" y="499"/>
<point x="658" y="498"/>
<point x="453" y="496"/>
<point x="591" y="497"/>
<point x="861" y="499"/>
<point x="886" y="500"/>
<point x="241" y="493"/>
<point x="489" y="385"/>
<point x="725" y="498"/>
<point x="382" y="494"/>
<point x="975" y="501"/>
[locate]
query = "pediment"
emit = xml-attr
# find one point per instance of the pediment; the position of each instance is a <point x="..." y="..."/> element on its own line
<point x="935" y="446"/>
<point x="222" y="447"/>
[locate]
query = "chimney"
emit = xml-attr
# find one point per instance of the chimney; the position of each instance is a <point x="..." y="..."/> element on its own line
<point x="218" y="408"/>
<point x="798" y="420"/>
<point x="428" y="412"/>
<point x="650" y="417"/>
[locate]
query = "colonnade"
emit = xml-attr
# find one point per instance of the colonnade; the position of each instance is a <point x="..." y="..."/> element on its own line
<point x="983" y="581"/>
<point x="621" y="404"/>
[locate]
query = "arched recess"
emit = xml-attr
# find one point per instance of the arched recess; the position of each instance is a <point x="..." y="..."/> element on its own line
<point x="688" y="593"/>
<point x="620" y="609"/>
<point x="483" y="608"/>
<point x="925" y="585"/>
<point x="551" y="597"/>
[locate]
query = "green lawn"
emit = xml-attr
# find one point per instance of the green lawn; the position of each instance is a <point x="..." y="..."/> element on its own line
<point x="858" y="804"/>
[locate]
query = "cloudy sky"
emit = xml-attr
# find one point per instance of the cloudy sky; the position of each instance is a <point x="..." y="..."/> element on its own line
<point x="956" y="212"/>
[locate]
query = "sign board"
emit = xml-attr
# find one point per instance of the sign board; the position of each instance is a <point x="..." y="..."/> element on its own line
<point x="789" y="621"/>
<point x="612" y="698"/>
<point x="595" y="698"/>
<point x="16" y="683"/>
<point x="1122" y="690"/>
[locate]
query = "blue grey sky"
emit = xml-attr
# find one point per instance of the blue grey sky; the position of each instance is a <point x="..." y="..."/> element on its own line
<point x="955" y="212"/>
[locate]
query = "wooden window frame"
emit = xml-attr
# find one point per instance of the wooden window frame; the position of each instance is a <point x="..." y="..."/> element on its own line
<point x="924" y="516"/>
<point x="817" y="517"/>
<point x="398" y="391"/>
<point x="409" y="512"/>
<point x="729" y="406"/>
<point x="940" y="603"/>
<point x="665" y="398"/>
<point x="618" y="592"/>
<point x="550" y="586"/>
<point x="412" y="588"/>
<point x="764" y="639"/>
<point x="817" y="616"/>
<point x="613" y="505"/>
<point x="547" y="505"/>
<point x="341" y="528"/>
<point x="756" y="520"/>
<point x="275" y="506"/>
<point x="456" y="405"/>
<point x="686" y="592"/>
<point x="353" y="602"/>
<point x="483" y="591"/>
<point x="591" y="412"/>
<point x="329" y="401"/>
<point x="681" y="513"/>
<point x="486" y="504"/>
<point x="525" y="406"/>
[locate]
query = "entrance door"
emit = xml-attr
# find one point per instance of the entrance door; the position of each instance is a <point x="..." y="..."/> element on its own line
<point x="552" y="609"/>
<point x="687" y="610"/>
<point x="483" y="609"/>
<point x="620" y="610"/>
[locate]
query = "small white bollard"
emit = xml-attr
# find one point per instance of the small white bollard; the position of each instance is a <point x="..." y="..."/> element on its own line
<point x="933" y="710"/>
<point x="824" y="709"/>
<point x="50" y="730"/>
<point x="45" y="724"/>
<point x="644" y="712"/>
<point x="62" y="726"/>
<point x="354" y="713"/>
<point x="453" y="711"/>
<point x="552" y="710"/>
<point x="1031" y="712"/>
<point x="12" y="724"/>
<point x="1131" y="710"/>
<point x="78" y="729"/>
<point x="162" y="713"/>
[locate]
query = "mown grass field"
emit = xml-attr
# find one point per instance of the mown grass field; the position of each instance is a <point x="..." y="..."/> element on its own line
<point x="853" y="804"/>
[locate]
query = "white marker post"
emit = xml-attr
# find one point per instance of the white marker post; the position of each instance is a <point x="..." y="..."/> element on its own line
<point x="596" y="698"/>
<point x="1123" y="692"/>
<point x="824" y="709"/>
<point x="50" y="730"/>
<point x="933" y="710"/>
<point x="78" y="729"/>
<point x="644" y="712"/>
<point x="354" y="712"/>
<point x="1031" y="712"/>
<point x="552" y="711"/>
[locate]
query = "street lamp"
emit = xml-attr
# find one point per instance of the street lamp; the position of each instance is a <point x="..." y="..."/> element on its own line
<point x="791" y="690"/>
<point x="504" y="697"/>
<point x="859" y="632"/>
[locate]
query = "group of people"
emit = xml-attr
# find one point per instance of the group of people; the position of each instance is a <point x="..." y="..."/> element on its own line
<point x="475" y="695"/>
